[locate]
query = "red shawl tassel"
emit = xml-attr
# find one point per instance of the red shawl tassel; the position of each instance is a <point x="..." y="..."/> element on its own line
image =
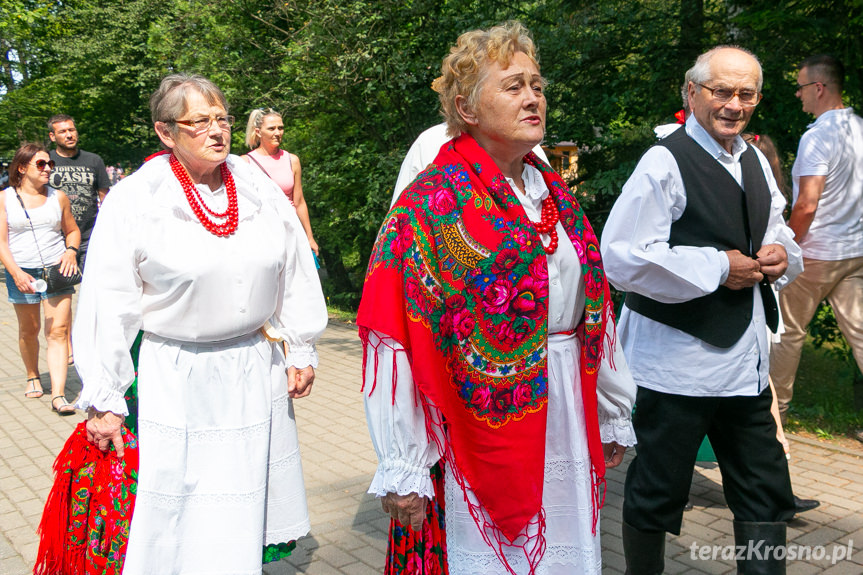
<point x="55" y="557"/>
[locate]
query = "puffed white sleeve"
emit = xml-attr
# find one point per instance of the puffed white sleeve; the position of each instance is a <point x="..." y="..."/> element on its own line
<point x="615" y="390"/>
<point x="397" y="421"/>
<point x="108" y="316"/>
<point x="635" y="248"/>
<point x="301" y="313"/>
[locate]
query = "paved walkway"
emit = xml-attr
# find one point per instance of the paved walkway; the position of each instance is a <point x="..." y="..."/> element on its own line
<point x="348" y="529"/>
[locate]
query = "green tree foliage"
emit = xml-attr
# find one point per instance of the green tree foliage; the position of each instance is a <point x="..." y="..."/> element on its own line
<point x="352" y="79"/>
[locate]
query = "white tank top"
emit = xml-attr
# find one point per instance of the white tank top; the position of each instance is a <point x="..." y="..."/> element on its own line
<point x="46" y="224"/>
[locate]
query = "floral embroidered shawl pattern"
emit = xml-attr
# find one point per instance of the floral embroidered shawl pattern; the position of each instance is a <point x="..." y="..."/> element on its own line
<point x="85" y="525"/>
<point x="458" y="276"/>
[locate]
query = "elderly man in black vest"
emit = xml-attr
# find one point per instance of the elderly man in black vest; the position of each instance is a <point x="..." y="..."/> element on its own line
<point x="695" y="238"/>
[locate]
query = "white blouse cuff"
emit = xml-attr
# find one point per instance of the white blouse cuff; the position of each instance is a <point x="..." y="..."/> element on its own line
<point x="617" y="430"/>
<point x="103" y="398"/>
<point x="301" y="356"/>
<point x="394" y="476"/>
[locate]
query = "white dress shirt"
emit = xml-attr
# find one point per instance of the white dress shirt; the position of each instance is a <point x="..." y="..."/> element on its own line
<point x="638" y="258"/>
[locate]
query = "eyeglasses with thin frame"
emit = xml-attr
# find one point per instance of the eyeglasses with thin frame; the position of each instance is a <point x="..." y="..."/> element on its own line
<point x="801" y="86"/>
<point x="747" y="98"/>
<point x="40" y="164"/>
<point x="203" y="124"/>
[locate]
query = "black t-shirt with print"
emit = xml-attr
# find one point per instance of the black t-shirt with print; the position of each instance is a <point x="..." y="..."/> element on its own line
<point x="80" y="178"/>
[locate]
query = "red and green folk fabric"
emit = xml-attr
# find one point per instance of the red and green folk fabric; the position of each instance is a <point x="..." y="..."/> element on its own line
<point x="459" y="277"/>
<point x="85" y="525"/>
<point x="420" y="552"/>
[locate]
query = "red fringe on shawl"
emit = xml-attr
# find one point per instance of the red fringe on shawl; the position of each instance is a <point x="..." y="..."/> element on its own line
<point x="85" y="524"/>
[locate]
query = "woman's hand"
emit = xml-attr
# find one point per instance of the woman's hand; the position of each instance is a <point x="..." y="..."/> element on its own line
<point x="22" y="281"/>
<point x="68" y="263"/>
<point x="300" y="381"/>
<point x="105" y="428"/>
<point x="407" y="509"/>
<point x="613" y="454"/>
<point x="314" y="245"/>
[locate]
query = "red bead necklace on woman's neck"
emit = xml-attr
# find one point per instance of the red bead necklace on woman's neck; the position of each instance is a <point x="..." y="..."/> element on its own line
<point x="196" y="202"/>
<point x="548" y="220"/>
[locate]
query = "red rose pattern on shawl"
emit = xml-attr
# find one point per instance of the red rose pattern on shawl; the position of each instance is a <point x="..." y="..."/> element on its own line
<point x="483" y="261"/>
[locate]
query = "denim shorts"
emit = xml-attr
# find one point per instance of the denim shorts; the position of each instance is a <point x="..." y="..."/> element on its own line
<point x="16" y="296"/>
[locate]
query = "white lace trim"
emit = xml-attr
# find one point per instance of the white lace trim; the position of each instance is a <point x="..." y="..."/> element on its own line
<point x="567" y="469"/>
<point x="292" y="533"/>
<point x="215" y="435"/>
<point x="394" y="476"/>
<point x="291" y="461"/>
<point x="580" y="559"/>
<point x="185" y="501"/>
<point x="619" y="430"/>
<point x="281" y="402"/>
<point x="301" y="356"/>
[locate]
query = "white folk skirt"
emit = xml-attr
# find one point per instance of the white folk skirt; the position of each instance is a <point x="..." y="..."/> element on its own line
<point x="572" y="549"/>
<point x="220" y="473"/>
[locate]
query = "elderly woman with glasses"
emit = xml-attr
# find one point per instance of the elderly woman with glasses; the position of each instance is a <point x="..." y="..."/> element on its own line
<point x="489" y="341"/>
<point x="37" y="228"/>
<point x="207" y="257"/>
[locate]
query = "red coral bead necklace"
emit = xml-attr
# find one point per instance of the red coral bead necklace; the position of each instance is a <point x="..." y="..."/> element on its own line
<point x="547" y="222"/>
<point x="201" y="209"/>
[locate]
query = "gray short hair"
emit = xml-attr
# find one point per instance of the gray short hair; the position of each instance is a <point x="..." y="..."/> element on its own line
<point x="700" y="73"/>
<point x="169" y="101"/>
<point x="256" y="120"/>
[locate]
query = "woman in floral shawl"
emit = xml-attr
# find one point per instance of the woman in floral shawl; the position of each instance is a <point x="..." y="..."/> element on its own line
<point x="496" y="396"/>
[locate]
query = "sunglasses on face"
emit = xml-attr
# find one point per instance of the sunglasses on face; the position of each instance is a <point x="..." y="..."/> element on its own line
<point x="40" y="164"/>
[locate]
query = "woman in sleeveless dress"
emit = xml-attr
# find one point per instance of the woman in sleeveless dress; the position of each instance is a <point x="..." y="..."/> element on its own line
<point x="37" y="229"/>
<point x="263" y="137"/>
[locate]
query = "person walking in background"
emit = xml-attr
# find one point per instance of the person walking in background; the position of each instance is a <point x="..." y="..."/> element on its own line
<point x="37" y="229"/>
<point x="490" y="341"/>
<point x="693" y="238"/>
<point x="827" y="219"/>
<point x="264" y="134"/>
<point x="201" y="252"/>
<point x="79" y="174"/>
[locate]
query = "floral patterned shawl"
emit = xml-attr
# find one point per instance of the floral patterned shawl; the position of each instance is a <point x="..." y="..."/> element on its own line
<point x="459" y="277"/>
<point x="85" y="525"/>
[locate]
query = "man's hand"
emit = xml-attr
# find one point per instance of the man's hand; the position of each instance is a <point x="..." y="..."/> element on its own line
<point x="300" y="381"/>
<point x="613" y="454"/>
<point x="407" y="509"/>
<point x="105" y="428"/>
<point x="743" y="271"/>
<point x="773" y="260"/>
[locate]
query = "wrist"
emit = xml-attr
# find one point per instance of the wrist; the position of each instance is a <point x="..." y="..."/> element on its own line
<point x="73" y="248"/>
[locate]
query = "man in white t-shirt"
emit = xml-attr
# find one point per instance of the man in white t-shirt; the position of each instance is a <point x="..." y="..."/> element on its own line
<point x="827" y="219"/>
<point x="423" y="152"/>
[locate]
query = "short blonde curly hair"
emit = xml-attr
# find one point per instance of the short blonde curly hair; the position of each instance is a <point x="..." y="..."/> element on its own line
<point x="466" y="67"/>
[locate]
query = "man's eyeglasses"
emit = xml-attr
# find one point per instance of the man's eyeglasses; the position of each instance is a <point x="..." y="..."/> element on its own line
<point x="40" y="164"/>
<point x="801" y="86"/>
<point x="747" y="98"/>
<point x="202" y="124"/>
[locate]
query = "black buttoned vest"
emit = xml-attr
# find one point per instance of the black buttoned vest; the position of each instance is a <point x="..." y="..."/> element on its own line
<point x="718" y="214"/>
